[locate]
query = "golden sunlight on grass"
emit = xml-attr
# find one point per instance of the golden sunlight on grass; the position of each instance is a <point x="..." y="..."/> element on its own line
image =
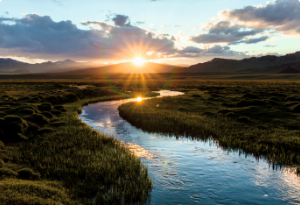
<point x="139" y="99"/>
<point x="139" y="61"/>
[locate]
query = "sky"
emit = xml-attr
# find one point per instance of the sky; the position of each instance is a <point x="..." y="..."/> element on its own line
<point x="166" y="31"/>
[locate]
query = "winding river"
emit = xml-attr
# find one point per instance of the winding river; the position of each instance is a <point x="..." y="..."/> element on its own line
<point x="196" y="172"/>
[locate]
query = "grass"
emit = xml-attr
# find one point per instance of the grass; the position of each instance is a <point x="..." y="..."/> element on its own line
<point x="259" y="118"/>
<point x="48" y="156"/>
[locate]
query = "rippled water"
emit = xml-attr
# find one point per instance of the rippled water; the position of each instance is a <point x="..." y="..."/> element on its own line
<point x="194" y="172"/>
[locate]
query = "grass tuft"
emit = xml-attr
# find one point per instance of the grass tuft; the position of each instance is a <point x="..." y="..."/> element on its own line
<point x="27" y="173"/>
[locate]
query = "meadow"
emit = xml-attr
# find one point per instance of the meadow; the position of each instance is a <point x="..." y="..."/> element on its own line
<point x="48" y="156"/>
<point x="252" y="117"/>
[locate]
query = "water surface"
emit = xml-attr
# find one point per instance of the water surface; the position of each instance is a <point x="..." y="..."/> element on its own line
<point x="196" y="172"/>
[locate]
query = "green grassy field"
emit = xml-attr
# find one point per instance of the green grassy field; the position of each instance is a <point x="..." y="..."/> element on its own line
<point x="48" y="156"/>
<point x="254" y="117"/>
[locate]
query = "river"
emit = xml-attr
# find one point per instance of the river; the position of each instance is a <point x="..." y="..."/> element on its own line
<point x="186" y="171"/>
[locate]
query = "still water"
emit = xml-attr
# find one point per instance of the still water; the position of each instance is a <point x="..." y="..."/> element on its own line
<point x="185" y="171"/>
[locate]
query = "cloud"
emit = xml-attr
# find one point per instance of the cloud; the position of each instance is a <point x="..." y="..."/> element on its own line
<point x="40" y="37"/>
<point x="282" y="15"/>
<point x="216" y="50"/>
<point x="251" y="40"/>
<point x="270" y="46"/>
<point x="224" y="32"/>
<point x="140" y="22"/>
<point x="121" y="20"/>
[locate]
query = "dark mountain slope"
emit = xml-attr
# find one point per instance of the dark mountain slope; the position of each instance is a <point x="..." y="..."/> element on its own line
<point x="264" y="64"/>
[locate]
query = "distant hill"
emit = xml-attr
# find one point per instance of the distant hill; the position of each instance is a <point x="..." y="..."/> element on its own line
<point x="18" y="71"/>
<point x="264" y="64"/>
<point x="127" y="67"/>
<point x="8" y="65"/>
<point x="183" y="65"/>
<point x="290" y="70"/>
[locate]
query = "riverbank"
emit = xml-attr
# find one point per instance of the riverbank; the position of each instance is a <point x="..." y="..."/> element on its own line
<point x="255" y="118"/>
<point x="49" y="156"/>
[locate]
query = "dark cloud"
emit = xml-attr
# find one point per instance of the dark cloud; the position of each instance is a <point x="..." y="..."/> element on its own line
<point x="121" y="20"/>
<point x="40" y="37"/>
<point x="224" y="32"/>
<point x="283" y="15"/>
<point x="251" y="40"/>
<point x="216" y="50"/>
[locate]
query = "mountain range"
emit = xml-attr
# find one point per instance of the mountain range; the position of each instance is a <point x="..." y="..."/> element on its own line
<point x="264" y="64"/>
<point x="8" y="65"/>
<point x="289" y="63"/>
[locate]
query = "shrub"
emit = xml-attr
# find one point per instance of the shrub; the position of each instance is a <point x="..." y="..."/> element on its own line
<point x="296" y="108"/>
<point x="45" y="106"/>
<point x="27" y="173"/>
<point x="274" y="99"/>
<point x="56" y="112"/>
<point x="1" y="145"/>
<point x="244" y="103"/>
<point x="244" y="120"/>
<point x="251" y="96"/>
<point x="47" y="114"/>
<point x="38" y="119"/>
<point x="1" y="163"/>
<point x="208" y="114"/>
<point x="258" y="102"/>
<point x="58" y="107"/>
<point x="196" y="96"/>
<point x="58" y="124"/>
<point x="45" y="130"/>
<point x="273" y="103"/>
<point x="32" y="127"/>
<point x="223" y="111"/>
<point x="13" y="118"/>
<point x="231" y="115"/>
<point x="292" y="98"/>
<point x="4" y="173"/>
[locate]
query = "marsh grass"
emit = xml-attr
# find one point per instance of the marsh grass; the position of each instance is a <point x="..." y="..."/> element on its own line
<point x="51" y="157"/>
<point x="238" y="115"/>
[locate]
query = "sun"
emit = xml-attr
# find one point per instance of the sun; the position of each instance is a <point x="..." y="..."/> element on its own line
<point x="139" y="99"/>
<point x="139" y="61"/>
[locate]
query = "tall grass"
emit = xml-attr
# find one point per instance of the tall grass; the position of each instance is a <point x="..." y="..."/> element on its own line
<point x="262" y="130"/>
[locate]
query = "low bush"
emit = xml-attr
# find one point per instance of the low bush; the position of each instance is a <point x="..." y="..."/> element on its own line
<point x="244" y="103"/>
<point x="47" y="114"/>
<point x="296" y="108"/>
<point x="45" y="130"/>
<point x="223" y="111"/>
<point x="7" y="173"/>
<point x="208" y="114"/>
<point x="38" y="119"/>
<point x="244" y="120"/>
<point x="56" y="112"/>
<point x="29" y="174"/>
<point x="251" y="96"/>
<point x="58" y="124"/>
<point x="1" y="163"/>
<point x="231" y="115"/>
<point x="45" y="106"/>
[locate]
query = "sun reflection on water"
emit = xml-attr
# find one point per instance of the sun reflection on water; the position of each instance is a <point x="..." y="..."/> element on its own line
<point x="139" y="151"/>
